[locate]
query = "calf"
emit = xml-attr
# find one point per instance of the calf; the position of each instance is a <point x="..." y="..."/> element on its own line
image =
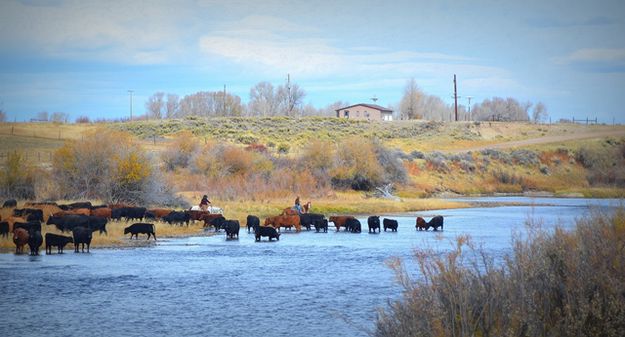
<point x="20" y="238"/>
<point x="267" y="231"/>
<point x="34" y="241"/>
<point x="82" y="235"/>
<point x="339" y="220"/>
<point x="374" y="223"/>
<point x="57" y="240"/>
<point x="435" y="222"/>
<point x="390" y="224"/>
<point x="321" y="224"/>
<point x="232" y="228"/>
<point x="353" y="225"/>
<point x="140" y="228"/>
<point x="4" y="229"/>
<point x="252" y="222"/>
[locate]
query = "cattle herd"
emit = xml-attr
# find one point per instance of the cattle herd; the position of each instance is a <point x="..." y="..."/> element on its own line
<point x="82" y="219"/>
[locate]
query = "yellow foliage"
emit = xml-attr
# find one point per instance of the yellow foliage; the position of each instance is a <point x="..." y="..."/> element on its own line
<point x="132" y="169"/>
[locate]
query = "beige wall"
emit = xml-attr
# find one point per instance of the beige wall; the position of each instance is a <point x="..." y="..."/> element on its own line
<point x="361" y="112"/>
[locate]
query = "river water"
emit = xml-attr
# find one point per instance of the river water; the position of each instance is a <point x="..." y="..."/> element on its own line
<point x="306" y="284"/>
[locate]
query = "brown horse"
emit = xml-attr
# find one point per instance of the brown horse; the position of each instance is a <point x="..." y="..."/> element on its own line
<point x="293" y="211"/>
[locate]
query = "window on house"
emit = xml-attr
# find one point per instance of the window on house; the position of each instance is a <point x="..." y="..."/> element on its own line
<point x="346" y="113"/>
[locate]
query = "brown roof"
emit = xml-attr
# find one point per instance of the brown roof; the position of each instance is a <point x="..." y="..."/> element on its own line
<point x="372" y="106"/>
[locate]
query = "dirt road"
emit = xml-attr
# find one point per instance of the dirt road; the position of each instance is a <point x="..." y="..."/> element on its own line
<point x="545" y="140"/>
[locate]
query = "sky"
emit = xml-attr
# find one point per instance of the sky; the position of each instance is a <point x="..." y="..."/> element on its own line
<point x="81" y="57"/>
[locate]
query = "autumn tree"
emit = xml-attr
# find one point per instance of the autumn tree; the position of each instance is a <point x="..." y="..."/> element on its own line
<point x="411" y="101"/>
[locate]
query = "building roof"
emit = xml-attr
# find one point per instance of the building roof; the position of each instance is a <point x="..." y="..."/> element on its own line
<point x="372" y="106"/>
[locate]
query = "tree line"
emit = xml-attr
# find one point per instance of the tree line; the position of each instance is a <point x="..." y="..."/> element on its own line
<point x="266" y="100"/>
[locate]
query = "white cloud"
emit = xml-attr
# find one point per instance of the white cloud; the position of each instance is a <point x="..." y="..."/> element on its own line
<point x="595" y="55"/>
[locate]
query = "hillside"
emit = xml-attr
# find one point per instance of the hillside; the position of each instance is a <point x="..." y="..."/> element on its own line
<point x="447" y="158"/>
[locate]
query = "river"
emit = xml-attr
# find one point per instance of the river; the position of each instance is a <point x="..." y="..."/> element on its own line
<point x="306" y="284"/>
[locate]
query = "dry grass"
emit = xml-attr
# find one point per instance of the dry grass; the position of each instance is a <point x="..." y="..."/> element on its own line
<point x="553" y="284"/>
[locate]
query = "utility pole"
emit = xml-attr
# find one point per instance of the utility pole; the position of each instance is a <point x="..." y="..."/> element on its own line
<point x="288" y="93"/>
<point x="224" y="99"/>
<point x="469" y="98"/>
<point x="455" y="99"/>
<point x="130" y="92"/>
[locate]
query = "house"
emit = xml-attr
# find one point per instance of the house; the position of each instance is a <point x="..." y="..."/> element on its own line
<point x="364" y="111"/>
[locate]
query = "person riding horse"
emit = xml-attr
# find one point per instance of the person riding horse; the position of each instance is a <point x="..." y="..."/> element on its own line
<point x="204" y="203"/>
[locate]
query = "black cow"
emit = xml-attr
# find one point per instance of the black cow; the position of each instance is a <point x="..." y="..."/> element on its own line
<point x="134" y="213"/>
<point x="373" y="222"/>
<point x="80" y="204"/>
<point x="435" y="222"/>
<point x="217" y="222"/>
<point x="28" y="226"/>
<point x="307" y="219"/>
<point x="69" y="222"/>
<point x="252" y="222"/>
<point x="149" y="215"/>
<point x="118" y="213"/>
<point x="321" y="224"/>
<point x="82" y="235"/>
<point x="140" y="228"/>
<point x="4" y="228"/>
<point x="267" y="231"/>
<point x="390" y="224"/>
<point x="34" y="241"/>
<point x="31" y="214"/>
<point x="176" y="217"/>
<point x="57" y="240"/>
<point x="97" y="223"/>
<point x="232" y="228"/>
<point x="9" y="203"/>
<point x="353" y="225"/>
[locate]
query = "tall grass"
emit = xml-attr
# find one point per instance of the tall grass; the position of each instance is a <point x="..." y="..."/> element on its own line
<point x="561" y="283"/>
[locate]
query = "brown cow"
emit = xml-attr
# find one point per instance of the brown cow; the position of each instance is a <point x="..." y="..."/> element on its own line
<point x="103" y="212"/>
<point x="198" y="215"/>
<point x="421" y="224"/>
<point x="159" y="212"/>
<point x="289" y="211"/>
<point x="340" y="220"/>
<point x="207" y="218"/>
<point x="77" y="211"/>
<point x="20" y="239"/>
<point x="287" y="221"/>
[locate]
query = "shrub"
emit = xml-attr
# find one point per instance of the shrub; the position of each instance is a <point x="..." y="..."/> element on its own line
<point x="552" y="284"/>
<point x="180" y="152"/>
<point x="283" y="148"/>
<point x="17" y="178"/>
<point x="437" y="161"/>
<point x="525" y="157"/>
<point x="357" y="166"/>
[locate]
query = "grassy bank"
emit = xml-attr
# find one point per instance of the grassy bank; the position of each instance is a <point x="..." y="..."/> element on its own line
<point x="552" y="284"/>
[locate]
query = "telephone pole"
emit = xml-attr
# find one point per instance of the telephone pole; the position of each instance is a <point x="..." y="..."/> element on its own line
<point x="469" y="98"/>
<point x="455" y="99"/>
<point x="130" y="92"/>
<point x="288" y="89"/>
<point x="224" y="99"/>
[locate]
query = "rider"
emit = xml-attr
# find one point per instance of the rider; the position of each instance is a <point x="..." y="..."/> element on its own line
<point x="298" y="206"/>
<point x="204" y="203"/>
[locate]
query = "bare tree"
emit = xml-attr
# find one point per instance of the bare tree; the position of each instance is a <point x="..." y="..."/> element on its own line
<point x="3" y="116"/>
<point x="411" y="102"/>
<point x="499" y="108"/>
<point x="172" y="106"/>
<point x="59" y="117"/>
<point x="263" y="101"/>
<point x="155" y="105"/>
<point x="539" y="114"/>
<point x="290" y="97"/>
<point x="42" y="116"/>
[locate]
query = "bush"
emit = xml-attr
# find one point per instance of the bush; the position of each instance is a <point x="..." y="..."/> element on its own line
<point x="179" y="154"/>
<point x="17" y="178"/>
<point x="437" y="161"/>
<point x="525" y="157"/>
<point x="552" y="284"/>
<point x="356" y="166"/>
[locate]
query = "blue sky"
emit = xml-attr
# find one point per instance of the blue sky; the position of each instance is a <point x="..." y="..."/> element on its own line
<point x="81" y="57"/>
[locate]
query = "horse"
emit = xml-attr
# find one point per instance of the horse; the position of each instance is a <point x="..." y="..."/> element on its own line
<point x="293" y="211"/>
